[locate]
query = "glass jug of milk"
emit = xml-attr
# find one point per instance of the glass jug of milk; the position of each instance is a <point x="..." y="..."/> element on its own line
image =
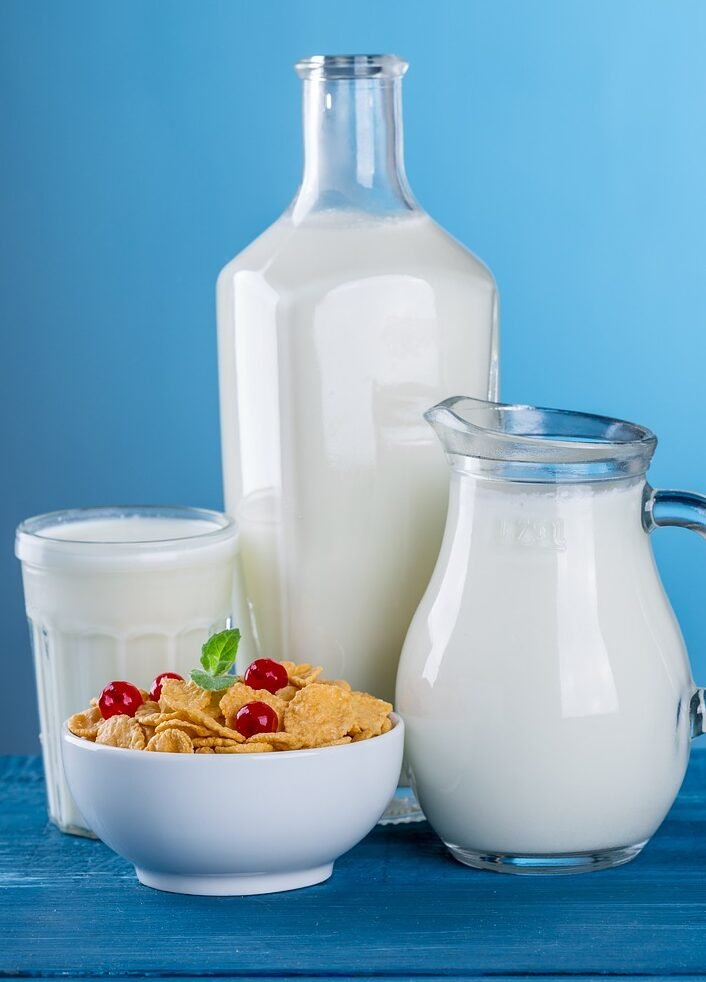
<point x="337" y="327"/>
<point x="544" y="684"/>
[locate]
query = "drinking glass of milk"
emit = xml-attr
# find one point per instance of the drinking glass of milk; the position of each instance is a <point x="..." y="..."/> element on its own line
<point x="117" y="593"/>
<point x="546" y="691"/>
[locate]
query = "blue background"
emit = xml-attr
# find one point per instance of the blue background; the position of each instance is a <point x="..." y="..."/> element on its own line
<point x="145" y="143"/>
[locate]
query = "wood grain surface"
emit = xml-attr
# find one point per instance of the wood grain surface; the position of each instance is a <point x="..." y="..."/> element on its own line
<point x="396" y="907"/>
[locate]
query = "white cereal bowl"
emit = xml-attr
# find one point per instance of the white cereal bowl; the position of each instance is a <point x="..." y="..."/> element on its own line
<point x="233" y="824"/>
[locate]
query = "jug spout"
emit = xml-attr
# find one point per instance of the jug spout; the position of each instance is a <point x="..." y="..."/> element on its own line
<point x="460" y="421"/>
<point x="532" y="444"/>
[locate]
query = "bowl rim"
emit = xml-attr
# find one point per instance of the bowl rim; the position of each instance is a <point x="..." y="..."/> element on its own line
<point x="91" y="745"/>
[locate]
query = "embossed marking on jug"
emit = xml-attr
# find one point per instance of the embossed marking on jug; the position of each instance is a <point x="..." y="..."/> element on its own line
<point x="532" y="533"/>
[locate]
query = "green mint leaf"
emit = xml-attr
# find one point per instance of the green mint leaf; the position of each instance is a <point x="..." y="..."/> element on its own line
<point x="218" y="654"/>
<point x="211" y="682"/>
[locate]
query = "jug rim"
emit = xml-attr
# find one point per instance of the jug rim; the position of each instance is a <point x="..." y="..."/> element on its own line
<point x="522" y="442"/>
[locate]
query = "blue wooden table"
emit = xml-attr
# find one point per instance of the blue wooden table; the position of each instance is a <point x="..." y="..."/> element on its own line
<point x="396" y="907"/>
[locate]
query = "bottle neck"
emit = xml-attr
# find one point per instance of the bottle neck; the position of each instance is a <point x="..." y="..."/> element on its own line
<point x="353" y="156"/>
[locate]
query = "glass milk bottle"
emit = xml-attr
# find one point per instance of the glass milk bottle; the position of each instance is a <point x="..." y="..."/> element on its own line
<point x="337" y="327"/>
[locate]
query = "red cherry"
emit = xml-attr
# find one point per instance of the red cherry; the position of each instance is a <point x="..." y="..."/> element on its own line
<point x="256" y="717"/>
<point x="119" y="698"/>
<point x="264" y="673"/>
<point x="156" y="687"/>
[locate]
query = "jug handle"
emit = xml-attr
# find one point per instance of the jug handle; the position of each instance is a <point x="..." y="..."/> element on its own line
<point x="683" y="509"/>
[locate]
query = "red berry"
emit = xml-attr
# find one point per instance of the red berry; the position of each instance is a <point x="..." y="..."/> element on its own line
<point x="264" y="673"/>
<point x="256" y="717"/>
<point x="156" y="687"/>
<point x="119" y="698"/>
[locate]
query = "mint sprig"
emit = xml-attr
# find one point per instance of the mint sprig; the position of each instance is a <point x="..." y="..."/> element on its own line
<point x="217" y="658"/>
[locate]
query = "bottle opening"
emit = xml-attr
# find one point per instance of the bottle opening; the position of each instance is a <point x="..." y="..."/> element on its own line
<point x="350" y="66"/>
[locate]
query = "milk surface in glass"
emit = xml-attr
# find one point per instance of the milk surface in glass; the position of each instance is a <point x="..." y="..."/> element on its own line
<point x="338" y="327"/>
<point x="117" y="595"/>
<point x="544" y="683"/>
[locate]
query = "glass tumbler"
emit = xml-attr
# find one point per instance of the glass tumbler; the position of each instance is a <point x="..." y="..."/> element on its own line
<point x="117" y="593"/>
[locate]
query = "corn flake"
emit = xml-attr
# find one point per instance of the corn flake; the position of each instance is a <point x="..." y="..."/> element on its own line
<point x="341" y="683"/>
<point x="177" y="694"/>
<point x="279" y="741"/>
<point x="301" y="679"/>
<point x="85" y="724"/>
<point x="214" y="727"/>
<point x="121" y="731"/>
<point x="245" y="748"/>
<point x="336" y="743"/>
<point x="369" y="715"/>
<point x="171" y="741"/>
<point x="319" y="714"/>
<point x="148" y="708"/>
<point x="215" y="742"/>
<point x="154" y="719"/>
<point x="186" y="726"/>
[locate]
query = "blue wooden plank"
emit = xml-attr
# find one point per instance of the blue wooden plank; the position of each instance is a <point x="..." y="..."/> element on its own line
<point x="396" y="906"/>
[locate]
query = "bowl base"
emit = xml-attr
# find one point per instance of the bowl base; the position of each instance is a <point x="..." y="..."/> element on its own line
<point x="577" y="862"/>
<point x="244" y="885"/>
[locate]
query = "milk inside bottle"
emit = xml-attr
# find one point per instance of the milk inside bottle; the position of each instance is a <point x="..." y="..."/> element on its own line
<point x="337" y="327"/>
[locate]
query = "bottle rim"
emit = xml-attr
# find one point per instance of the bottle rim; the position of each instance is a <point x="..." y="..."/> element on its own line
<point x="328" y="67"/>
